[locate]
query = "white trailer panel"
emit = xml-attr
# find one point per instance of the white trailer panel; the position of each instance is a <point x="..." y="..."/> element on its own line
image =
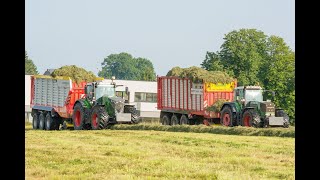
<point x="51" y="92"/>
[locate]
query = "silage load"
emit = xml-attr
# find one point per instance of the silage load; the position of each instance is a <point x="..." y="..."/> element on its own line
<point x="197" y="74"/>
<point x="216" y="106"/>
<point x="77" y="74"/>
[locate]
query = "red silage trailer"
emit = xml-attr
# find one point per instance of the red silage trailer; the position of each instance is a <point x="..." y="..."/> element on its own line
<point x="52" y="100"/>
<point x="182" y="101"/>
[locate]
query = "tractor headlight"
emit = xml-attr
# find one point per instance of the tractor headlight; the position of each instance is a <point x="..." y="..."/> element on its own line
<point x="119" y="107"/>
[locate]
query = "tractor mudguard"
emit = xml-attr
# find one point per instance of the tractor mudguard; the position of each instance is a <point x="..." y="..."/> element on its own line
<point x="232" y="105"/>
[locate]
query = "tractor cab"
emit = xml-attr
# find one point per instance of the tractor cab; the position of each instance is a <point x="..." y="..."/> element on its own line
<point x="123" y="92"/>
<point x="248" y="95"/>
<point x="96" y="90"/>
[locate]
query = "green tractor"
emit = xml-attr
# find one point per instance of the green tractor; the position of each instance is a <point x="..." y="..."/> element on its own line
<point x="249" y="109"/>
<point x="101" y="107"/>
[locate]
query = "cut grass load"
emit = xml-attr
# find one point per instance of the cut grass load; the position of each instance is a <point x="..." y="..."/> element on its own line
<point x="128" y="154"/>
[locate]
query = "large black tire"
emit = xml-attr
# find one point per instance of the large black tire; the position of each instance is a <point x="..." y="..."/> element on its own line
<point x="50" y="124"/>
<point x="281" y="113"/>
<point x="165" y="120"/>
<point x="99" y="118"/>
<point x="174" y="120"/>
<point x="42" y="121"/>
<point x="226" y="117"/>
<point x="135" y="118"/>
<point x="184" y="120"/>
<point x="251" y="118"/>
<point x="35" y="121"/>
<point x="78" y="117"/>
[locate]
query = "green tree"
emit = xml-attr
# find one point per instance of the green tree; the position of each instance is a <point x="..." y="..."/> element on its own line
<point x="212" y="62"/>
<point x="242" y="53"/>
<point x="30" y="68"/>
<point x="124" y="66"/>
<point x="253" y="57"/>
<point x="278" y="73"/>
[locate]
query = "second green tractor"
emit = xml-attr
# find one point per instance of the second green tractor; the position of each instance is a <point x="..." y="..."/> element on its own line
<point x="249" y="109"/>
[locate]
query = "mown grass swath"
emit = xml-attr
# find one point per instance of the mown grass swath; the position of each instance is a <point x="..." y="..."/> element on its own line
<point x="245" y="131"/>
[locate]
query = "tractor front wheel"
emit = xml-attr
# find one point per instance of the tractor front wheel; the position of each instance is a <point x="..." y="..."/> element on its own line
<point x="251" y="118"/>
<point x="99" y="118"/>
<point x="281" y="113"/>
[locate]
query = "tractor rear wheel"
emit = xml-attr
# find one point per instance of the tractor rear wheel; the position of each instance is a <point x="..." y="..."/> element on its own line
<point x="165" y="120"/>
<point x="35" y="121"/>
<point x="226" y="116"/>
<point x="42" y="121"/>
<point x="50" y="124"/>
<point x="99" y="118"/>
<point x="174" y="120"/>
<point x="281" y="113"/>
<point x="184" y="120"/>
<point x="251" y="118"/>
<point x="78" y="117"/>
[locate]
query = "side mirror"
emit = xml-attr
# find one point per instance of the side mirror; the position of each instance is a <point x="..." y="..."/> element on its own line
<point x="237" y="93"/>
<point x="127" y="90"/>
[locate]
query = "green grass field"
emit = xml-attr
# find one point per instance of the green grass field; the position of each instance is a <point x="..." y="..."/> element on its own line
<point x="130" y="154"/>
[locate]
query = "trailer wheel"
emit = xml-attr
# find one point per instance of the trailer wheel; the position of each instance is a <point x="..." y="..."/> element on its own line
<point x="78" y="117"/>
<point x="165" y="120"/>
<point x="42" y="121"/>
<point x="35" y="121"/>
<point x="50" y="124"/>
<point x="174" y="120"/>
<point x="226" y="116"/>
<point x="281" y="113"/>
<point x="99" y="118"/>
<point x="251" y="118"/>
<point x="184" y="120"/>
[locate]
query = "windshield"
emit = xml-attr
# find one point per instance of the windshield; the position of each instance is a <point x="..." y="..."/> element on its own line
<point x="254" y="95"/>
<point x="105" y="90"/>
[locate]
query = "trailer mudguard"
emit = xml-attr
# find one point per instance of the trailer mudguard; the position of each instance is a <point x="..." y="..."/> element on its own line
<point x="43" y="108"/>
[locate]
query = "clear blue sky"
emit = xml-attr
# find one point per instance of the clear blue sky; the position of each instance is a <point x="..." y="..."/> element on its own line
<point x="167" y="32"/>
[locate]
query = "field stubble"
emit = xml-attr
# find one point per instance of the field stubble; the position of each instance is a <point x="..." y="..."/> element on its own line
<point x="129" y="154"/>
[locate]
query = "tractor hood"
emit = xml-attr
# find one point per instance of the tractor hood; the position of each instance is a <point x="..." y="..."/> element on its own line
<point x="113" y="105"/>
<point x="116" y="99"/>
<point x="268" y="108"/>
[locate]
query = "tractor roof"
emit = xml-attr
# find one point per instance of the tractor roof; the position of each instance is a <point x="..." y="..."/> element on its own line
<point x="250" y="87"/>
